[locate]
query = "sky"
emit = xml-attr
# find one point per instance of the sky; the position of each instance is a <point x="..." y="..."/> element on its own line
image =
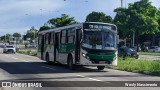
<point x="21" y="15"/>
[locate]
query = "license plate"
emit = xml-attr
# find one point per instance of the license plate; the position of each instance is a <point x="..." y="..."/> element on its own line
<point x="102" y="62"/>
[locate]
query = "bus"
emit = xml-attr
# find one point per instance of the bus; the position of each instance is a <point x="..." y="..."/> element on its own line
<point x="84" y="44"/>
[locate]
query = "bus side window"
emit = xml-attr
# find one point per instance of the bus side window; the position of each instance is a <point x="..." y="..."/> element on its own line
<point x="52" y="37"/>
<point x="63" y="36"/>
<point x="46" y="38"/>
<point x="71" y="34"/>
<point x="49" y="38"/>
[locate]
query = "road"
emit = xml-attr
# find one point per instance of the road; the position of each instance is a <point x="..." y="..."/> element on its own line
<point x="28" y="68"/>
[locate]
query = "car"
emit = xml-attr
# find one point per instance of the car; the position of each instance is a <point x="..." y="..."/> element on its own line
<point x="154" y="49"/>
<point x="1" y="45"/>
<point x="128" y="52"/>
<point x="33" y="45"/>
<point x="9" y="49"/>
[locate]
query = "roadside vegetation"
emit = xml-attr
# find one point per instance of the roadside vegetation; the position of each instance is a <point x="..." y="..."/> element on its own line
<point x="150" y="53"/>
<point x="28" y="52"/>
<point x="141" y="66"/>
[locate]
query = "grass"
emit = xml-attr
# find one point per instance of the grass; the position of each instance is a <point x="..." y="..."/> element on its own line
<point x="28" y="52"/>
<point x="137" y="65"/>
<point x="150" y="53"/>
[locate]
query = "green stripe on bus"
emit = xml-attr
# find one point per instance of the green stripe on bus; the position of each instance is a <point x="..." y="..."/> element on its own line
<point x="66" y="48"/>
<point x="40" y="45"/>
<point x="101" y="57"/>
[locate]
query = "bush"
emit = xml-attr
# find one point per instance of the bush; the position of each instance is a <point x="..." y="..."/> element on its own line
<point x="28" y="52"/>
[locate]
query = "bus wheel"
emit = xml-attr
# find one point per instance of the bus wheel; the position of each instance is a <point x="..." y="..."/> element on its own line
<point x="70" y="63"/>
<point x="47" y="59"/>
<point x="100" y="67"/>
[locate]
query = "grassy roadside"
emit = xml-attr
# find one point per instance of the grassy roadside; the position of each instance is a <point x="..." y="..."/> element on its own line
<point x="149" y="53"/>
<point x="141" y="66"/>
<point x="28" y="52"/>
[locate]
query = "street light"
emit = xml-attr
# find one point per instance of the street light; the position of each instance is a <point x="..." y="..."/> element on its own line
<point x="5" y="38"/>
<point x="121" y="3"/>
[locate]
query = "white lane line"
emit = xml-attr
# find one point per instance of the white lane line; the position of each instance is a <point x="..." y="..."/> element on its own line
<point x="89" y="78"/>
<point x="94" y="79"/>
<point x="80" y="75"/>
<point x="48" y="67"/>
<point x="14" y="58"/>
<point x="6" y="55"/>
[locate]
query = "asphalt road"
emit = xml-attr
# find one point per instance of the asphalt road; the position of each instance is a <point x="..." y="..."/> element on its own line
<point x="18" y="67"/>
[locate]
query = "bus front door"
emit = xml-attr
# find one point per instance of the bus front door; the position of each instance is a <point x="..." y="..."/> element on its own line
<point x="56" y="46"/>
<point x="77" y="45"/>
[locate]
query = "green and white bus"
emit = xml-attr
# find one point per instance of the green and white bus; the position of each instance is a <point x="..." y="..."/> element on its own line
<point x="86" y="44"/>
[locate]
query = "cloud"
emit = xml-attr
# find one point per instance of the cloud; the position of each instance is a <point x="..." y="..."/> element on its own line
<point x="20" y="15"/>
<point x="14" y="12"/>
<point x="21" y="8"/>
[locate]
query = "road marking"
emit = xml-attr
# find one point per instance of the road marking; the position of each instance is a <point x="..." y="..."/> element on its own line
<point x="89" y="78"/>
<point x="80" y="75"/>
<point x="14" y="58"/>
<point x="48" y="68"/>
<point x="6" y="55"/>
<point x="94" y="79"/>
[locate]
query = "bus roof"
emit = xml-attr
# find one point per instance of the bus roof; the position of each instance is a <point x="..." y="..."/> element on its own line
<point x="60" y="28"/>
<point x="70" y="26"/>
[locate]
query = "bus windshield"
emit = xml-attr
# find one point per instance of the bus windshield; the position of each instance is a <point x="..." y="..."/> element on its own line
<point x="99" y="40"/>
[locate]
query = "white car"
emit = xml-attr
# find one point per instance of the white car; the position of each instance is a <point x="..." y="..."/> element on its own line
<point x="9" y="49"/>
<point x="154" y="49"/>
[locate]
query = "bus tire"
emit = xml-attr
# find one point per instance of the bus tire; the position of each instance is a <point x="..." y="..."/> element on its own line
<point x="70" y="63"/>
<point x="47" y="59"/>
<point x="100" y="67"/>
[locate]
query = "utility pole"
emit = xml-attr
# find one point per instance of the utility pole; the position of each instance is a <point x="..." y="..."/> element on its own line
<point x="133" y="39"/>
<point x="121" y="3"/>
<point x="5" y="39"/>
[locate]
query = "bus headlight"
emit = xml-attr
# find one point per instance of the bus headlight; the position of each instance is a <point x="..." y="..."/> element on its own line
<point x="84" y="55"/>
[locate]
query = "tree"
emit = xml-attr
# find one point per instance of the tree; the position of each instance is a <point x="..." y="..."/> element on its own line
<point x="121" y="20"/>
<point x="5" y="37"/>
<point x="2" y="38"/>
<point x="18" y="35"/>
<point x="42" y="28"/>
<point x="142" y="18"/>
<point x="32" y="33"/>
<point x="159" y="18"/>
<point x="98" y="17"/>
<point x="64" y="20"/>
